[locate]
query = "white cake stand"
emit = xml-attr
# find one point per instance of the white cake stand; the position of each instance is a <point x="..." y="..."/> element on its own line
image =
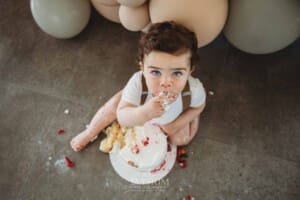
<point x="135" y="176"/>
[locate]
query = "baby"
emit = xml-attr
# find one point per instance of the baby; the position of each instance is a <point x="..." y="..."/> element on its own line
<point x="162" y="91"/>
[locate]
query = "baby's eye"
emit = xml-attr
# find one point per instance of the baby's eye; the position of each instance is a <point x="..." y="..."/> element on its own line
<point x="155" y="73"/>
<point x="177" y="73"/>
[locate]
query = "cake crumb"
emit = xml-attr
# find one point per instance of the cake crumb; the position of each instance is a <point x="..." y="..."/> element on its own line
<point x="131" y="163"/>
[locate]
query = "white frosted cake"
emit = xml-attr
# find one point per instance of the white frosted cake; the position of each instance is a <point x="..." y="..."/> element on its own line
<point x="145" y="147"/>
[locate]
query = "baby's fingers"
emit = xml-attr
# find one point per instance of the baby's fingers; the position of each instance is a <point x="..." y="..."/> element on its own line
<point x="159" y="108"/>
<point x="158" y="98"/>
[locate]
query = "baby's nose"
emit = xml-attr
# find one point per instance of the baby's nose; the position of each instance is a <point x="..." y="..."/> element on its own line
<point x="165" y="83"/>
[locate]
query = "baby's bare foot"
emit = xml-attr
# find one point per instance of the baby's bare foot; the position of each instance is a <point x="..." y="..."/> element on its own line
<point x="81" y="140"/>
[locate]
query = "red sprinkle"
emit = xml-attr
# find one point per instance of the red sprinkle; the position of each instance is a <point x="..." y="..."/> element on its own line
<point x="145" y="141"/>
<point x="135" y="149"/>
<point x="159" y="167"/>
<point x="183" y="164"/>
<point x="181" y="154"/>
<point x="181" y="151"/>
<point x="60" y="131"/>
<point x="189" y="197"/>
<point x="68" y="162"/>
<point x="179" y="159"/>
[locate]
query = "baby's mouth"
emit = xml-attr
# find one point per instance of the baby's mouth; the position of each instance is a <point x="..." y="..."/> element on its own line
<point x="167" y="97"/>
<point x="164" y="93"/>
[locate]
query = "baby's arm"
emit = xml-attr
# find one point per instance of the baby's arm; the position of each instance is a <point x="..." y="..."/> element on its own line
<point x="131" y="115"/>
<point x="183" y="119"/>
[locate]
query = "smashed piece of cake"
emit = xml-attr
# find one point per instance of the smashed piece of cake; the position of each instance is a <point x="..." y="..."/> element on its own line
<point x="114" y="134"/>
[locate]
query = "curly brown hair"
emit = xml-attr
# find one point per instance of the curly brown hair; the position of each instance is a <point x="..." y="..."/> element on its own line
<point x="168" y="37"/>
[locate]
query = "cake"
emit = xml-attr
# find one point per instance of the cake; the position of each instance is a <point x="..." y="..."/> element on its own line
<point x="141" y="147"/>
<point x="145" y="147"/>
<point x="114" y="137"/>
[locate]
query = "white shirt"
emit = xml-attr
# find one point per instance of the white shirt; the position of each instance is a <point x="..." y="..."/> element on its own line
<point x="133" y="91"/>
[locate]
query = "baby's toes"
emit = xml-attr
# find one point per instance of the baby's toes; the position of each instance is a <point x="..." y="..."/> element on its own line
<point x="76" y="148"/>
<point x="72" y="143"/>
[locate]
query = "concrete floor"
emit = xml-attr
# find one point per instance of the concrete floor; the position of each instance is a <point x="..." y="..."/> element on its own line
<point x="247" y="147"/>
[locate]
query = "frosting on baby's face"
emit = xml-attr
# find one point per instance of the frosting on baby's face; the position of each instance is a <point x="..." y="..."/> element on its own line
<point x="166" y="73"/>
<point x="167" y="98"/>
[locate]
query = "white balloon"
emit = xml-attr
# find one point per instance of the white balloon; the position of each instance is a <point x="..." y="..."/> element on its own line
<point x="61" y="18"/>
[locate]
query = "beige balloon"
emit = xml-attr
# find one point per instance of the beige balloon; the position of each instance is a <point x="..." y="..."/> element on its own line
<point x="132" y="3"/>
<point x="261" y="27"/>
<point x="107" y="2"/>
<point x="109" y="12"/>
<point x="134" y="19"/>
<point x="204" y="17"/>
<point x="146" y="28"/>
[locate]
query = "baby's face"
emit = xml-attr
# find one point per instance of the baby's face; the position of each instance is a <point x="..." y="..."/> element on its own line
<point x="166" y="73"/>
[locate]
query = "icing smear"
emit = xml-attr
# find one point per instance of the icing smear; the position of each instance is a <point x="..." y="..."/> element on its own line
<point x="145" y="149"/>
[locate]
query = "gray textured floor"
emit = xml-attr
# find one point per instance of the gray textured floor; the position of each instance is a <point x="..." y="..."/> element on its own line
<point x="248" y="145"/>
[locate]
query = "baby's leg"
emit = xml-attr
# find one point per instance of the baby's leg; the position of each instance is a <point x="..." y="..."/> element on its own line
<point x="186" y="134"/>
<point x="104" y="116"/>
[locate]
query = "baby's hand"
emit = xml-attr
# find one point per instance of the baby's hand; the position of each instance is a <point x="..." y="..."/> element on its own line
<point x="167" y="98"/>
<point x="154" y="107"/>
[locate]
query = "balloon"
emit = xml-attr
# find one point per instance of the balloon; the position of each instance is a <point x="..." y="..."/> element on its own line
<point x="61" y="18"/>
<point x="134" y="19"/>
<point x="109" y="12"/>
<point x="107" y="2"/>
<point x="132" y="3"/>
<point x="261" y="27"/>
<point x="204" y="17"/>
